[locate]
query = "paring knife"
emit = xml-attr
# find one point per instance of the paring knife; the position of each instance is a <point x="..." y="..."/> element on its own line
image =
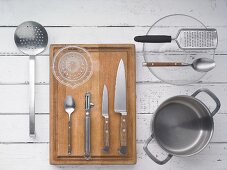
<point x="120" y="105"/>
<point x="105" y="114"/>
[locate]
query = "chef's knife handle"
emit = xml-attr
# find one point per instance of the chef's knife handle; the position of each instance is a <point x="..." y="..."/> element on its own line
<point x="106" y="135"/>
<point x="87" y="136"/>
<point x="153" y="38"/>
<point x="123" y="135"/>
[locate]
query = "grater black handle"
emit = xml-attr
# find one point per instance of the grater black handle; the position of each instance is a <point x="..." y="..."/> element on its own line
<point x="153" y="38"/>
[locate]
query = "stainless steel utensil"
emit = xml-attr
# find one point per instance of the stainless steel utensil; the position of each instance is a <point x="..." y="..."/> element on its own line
<point x="69" y="106"/>
<point x="200" y="64"/>
<point x="186" y="39"/>
<point x="120" y="105"/>
<point x="105" y="114"/>
<point x="31" y="38"/>
<point x="88" y="106"/>
<point x="182" y="126"/>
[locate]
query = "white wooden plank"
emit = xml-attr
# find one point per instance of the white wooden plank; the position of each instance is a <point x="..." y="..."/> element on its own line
<point x="14" y="69"/>
<point x="36" y="157"/>
<point x="14" y="128"/>
<point x="14" y="99"/>
<point x="207" y="160"/>
<point x="114" y="12"/>
<point x="149" y="96"/>
<point x="93" y="35"/>
<point x="218" y="74"/>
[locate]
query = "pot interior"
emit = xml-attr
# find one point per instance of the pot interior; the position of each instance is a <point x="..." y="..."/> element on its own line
<point x="182" y="126"/>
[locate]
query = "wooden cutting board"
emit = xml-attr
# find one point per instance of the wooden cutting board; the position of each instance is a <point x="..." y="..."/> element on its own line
<point x="105" y="58"/>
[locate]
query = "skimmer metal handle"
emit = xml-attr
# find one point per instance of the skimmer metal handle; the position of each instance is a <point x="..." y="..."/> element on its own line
<point x="32" y="96"/>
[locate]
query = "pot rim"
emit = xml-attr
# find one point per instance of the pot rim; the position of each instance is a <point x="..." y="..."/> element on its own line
<point x="203" y="105"/>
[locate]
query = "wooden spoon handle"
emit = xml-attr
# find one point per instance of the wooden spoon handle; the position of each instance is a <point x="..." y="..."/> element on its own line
<point x="162" y="64"/>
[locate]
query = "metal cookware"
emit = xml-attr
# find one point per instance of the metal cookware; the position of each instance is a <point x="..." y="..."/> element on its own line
<point x="31" y="38"/>
<point x="182" y="126"/>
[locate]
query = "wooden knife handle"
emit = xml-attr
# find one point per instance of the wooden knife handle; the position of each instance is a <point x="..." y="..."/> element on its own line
<point x="106" y="135"/>
<point x="123" y="135"/>
<point x="69" y="137"/>
<point x="161" y="64"/>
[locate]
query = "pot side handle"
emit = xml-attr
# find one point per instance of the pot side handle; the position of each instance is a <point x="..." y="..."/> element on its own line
<point x="213" y="96"/>
<point x="145" y="148"/>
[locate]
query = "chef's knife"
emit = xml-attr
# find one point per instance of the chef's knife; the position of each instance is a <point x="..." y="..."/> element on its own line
<point x="120" y="105"/>
<point x="105" y="114"/>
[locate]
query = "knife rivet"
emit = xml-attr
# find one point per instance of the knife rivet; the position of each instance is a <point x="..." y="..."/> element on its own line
<point x="123" y="120"/>
<point x="107" y="121"/>
<point x="124" y="130"/>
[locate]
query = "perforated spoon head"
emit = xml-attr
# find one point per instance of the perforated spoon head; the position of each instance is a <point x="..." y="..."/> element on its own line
<point x="31" y="38"/>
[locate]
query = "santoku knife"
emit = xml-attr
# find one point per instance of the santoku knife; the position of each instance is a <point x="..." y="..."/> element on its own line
<point x="120" y="105"/>
<point x="105" y="114"/>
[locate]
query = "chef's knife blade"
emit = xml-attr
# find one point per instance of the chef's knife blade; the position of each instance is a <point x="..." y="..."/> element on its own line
<point x="105" y="114"/>
<point x="120" y="105"/>
<point x="120" y="90"/>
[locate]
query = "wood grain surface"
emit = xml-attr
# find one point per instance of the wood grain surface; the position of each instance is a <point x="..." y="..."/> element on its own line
<point x="105" y="60"/>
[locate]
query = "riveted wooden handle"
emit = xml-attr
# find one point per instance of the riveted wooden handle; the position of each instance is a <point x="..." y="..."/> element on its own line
<point x="106" y="135"/>
<point x="123" y="135"/>
<point x="162" y="64"/>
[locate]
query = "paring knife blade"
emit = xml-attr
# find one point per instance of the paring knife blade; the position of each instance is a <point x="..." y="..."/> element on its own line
<point x="120" y="105"/>
<point x="105" y="114"/>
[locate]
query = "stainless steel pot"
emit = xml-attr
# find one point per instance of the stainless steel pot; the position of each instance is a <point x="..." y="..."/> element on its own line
<point x="182" y="126"/>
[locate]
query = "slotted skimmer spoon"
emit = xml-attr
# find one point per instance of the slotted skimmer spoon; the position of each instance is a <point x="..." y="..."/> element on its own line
<point x="186" y="39"/>
<point x="31" y="38"/>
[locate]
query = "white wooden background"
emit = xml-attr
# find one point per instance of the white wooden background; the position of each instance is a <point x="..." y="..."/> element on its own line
<point x="101" y="21"/>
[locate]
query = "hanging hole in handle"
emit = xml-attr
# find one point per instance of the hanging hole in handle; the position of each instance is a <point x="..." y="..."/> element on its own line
<point x="145" y="148"/>
<point x="213" y="96"/>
